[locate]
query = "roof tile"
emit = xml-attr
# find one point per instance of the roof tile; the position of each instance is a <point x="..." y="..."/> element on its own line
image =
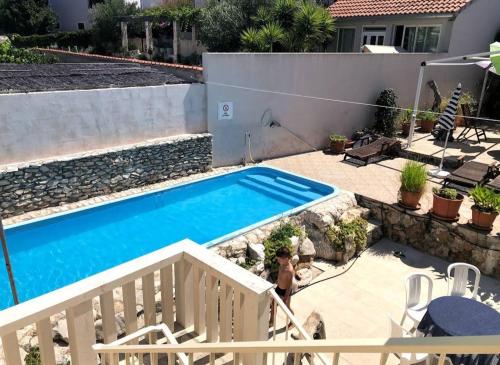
<point x="357" y="8"/>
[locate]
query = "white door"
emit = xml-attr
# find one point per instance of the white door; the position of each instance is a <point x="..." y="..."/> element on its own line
<point x="373" y="36"/>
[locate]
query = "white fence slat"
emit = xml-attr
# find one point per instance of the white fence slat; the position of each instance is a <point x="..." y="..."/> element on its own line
<point x="212" y="308"/>
<point x="226" y="312"/>
<point x="184" y="293"/>
<point x="148" y="297"/>
<point x="45" y="343"/>
<point x="167" y="296"/>
<point x="199" y="300"/>
<point x="130" y="309"/>
<point x="108" y="316"/>
<point x="10" y="345"/>
<point x="81" y="333"/>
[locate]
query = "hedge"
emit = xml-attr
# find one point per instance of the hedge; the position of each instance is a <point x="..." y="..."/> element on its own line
<point x="81" y="39"/>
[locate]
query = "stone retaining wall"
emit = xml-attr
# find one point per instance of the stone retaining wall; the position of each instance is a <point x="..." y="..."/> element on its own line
<point x="42" y="184"/>
<point x="450" y="241"/>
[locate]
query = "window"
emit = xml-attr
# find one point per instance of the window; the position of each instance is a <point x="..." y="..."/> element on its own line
<point x="344" y="40"/>
<point x="81" y="26"/>
<point x="419" y="39"/>
<point x="373" y="35"/>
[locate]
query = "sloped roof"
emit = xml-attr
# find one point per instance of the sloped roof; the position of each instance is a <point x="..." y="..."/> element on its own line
<point x="361" y="8"/>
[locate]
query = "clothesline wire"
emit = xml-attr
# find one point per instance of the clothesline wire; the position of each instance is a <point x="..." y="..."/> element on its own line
<point x="340" y="100"/>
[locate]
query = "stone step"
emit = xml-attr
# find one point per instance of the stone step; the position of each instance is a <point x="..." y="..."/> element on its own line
<point x="374" y="231"/>
<point x="355" y="212"/>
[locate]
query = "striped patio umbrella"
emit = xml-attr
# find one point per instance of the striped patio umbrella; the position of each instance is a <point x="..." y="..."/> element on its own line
<point x="446" y="122"/>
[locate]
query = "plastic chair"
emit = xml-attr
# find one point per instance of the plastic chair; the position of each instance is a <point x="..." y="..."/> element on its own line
<point x="415" y="310"/>
<point x="405" y="358"/>
<point x="461" y="279"/>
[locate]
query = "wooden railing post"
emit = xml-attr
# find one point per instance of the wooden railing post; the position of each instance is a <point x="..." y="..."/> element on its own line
<point x="184" y="293"/>
<point x="255" y="323"/>
<point x="81" y="333"/>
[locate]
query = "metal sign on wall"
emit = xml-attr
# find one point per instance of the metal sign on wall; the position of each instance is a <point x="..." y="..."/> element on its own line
<point x="225" y="110"/>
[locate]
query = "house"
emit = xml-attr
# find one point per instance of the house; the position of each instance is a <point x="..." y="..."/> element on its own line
<point x="430" y="26"/>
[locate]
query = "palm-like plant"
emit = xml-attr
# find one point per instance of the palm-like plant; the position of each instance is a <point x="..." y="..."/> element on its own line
<point x="307" y="25"/>
<point x="271" y="35"/>
<point x="262" y="17"/>
<point x="251" y="40"/>
<point x="284" y="13"/>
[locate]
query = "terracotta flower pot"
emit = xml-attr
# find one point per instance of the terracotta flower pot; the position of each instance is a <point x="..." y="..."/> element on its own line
<point x="337" y="146"/>
<point x="426" y="126"/>
<point x="410" y="199"/>
<point x="459" y="121"/>
<point x="446" y="208"/>
<point x="349" y="144"/>
<point x="483" y="220"/>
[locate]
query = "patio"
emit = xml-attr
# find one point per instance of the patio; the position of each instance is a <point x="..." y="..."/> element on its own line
<point x="358" y="304"/>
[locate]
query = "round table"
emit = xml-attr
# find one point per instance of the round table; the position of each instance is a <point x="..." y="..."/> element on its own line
<point x="458" y="316"/>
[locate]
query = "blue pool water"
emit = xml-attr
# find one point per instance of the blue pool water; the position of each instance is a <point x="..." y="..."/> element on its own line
<point x="57" y="251"/>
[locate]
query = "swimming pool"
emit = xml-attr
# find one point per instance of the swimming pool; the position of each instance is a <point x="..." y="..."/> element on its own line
<point x="50" y="253"/>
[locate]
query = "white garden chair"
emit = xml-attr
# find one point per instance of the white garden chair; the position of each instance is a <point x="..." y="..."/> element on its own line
<point x="460" y="279"/>
<point x="415" y="308"/>
<point x="396" y="331"/>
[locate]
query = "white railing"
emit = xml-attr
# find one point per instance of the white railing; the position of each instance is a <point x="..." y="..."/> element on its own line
<point x="208" y="296"/>
<point x="382" y="346"/>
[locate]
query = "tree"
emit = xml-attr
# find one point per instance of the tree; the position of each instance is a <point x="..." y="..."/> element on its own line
<point x="106" y="30"/>
<point x="220" y="26"/>
<point x="27" y="17"/>
<point x="290" y="26"/>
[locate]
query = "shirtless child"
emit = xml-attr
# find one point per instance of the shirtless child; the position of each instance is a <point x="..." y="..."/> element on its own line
<point x="285" y="279"/>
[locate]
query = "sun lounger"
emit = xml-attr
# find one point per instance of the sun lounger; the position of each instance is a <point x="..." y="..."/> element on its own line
<point x="379" y="147"/>
<point x="494" y="184"/>
<point x="471" y="173"/>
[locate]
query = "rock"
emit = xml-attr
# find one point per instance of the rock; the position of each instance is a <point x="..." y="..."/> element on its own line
<point x="295" y="244"/>
<point x="241" y="260"/>
<point x="256" y="251"/>
<point x="60" y="333"/>
<point x="258" y="268"/>
<point x="295" y="259"/>
<point x="355" y="212"/>
<point x="120" y="328"/>
<point x="306" y="248"/>
<point x="265" y="274"/>
<point x="349" y="250"/>
<point x="305" y="277"/>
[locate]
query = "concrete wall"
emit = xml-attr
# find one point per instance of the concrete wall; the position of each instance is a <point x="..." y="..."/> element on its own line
<point x="70" y="13"/>
<point x="475" y="27"/>
<point x="46" y="124"/>
<point x="350" y="77"/>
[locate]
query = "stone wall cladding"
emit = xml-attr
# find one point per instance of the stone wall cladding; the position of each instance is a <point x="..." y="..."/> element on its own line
<point x="43" y="184"/>
<point x="450" y="241"/>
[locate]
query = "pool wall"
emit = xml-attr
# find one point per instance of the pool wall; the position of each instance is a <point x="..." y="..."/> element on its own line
<point x="48" y="183"/>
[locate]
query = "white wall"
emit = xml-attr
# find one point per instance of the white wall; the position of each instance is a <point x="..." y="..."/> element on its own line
<point x="46" y="124"/>
<point x="351" y="77"/>
<point x="475" y="27"/>
<point x="70" y="13"/>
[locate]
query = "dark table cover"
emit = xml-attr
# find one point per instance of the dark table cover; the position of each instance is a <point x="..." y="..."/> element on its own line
<point x="458" y="316"/>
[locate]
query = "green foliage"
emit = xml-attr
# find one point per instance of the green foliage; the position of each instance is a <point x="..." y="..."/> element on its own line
<point x="355" y="229"/>
<point x="413" y="177"/>
<point x="33" y="357"/>
<point x="386" y="114"/>
<point x="290" y="26"/>
<point x="428" y="115"/>
<point x="251" y="40"/>
<point x="10" y="54"/>
<point x="248" y="263"/>
<point x="27" y="17"/>
<point x="185" y="15"/>
<point x="106" y="30"/>
<point x="80" y="39"/>
<point x="221" y="24"/>
<point x="337" y="138"/>
<point x="404" y="116"/>
<point x="279" y="237"/>
<point x="446" y="193"/>
<point x="485" y="199"/>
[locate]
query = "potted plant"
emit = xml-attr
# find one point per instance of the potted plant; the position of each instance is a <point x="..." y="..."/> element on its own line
<point x="486" y="207"/>
<point x="337" y="143"/>
<point x="405" y="121"/>
<point x="413" y="181"/>
<point x="427" y="120"/>
<point x="446" y="203"/>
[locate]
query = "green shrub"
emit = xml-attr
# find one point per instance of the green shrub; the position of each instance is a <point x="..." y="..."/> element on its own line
<point x="248" y="263"/>
<point x="485" y="199"/>
<point x="33" y="357"/>
<point x="80" y="39"/>
<point x="413" y="177"/>
<point x="446" y="193"/>
<point x="355" y="229"/>
<point x="386" y="114"/>
<point x="337" y="138"/>
<point x="25" y="56"/>
<point x="279" y="237"/>
<point x="428" y="115"/>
